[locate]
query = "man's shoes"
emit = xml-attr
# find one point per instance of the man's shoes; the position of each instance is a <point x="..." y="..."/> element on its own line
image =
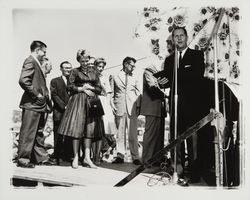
<point x="118" y="160"/>
<point x="137" y="162"/>
<point x="48" y="162"/>
<point x="182" y="182"/>
<point x="25" y="165"/>
<point x="195" y="180"/>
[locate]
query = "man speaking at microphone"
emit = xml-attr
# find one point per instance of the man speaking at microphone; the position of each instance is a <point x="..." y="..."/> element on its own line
<point x="190" y="107"/>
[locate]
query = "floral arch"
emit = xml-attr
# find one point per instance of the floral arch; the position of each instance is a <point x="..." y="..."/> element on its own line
<point x="155" y="27"/>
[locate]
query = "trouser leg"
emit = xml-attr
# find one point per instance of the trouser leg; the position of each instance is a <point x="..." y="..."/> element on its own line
<point x="120" y="138"/>
<point x="27" y="135"/>
<point x="133" y="137"/>
<point x="39" y="152"/>
<point x="153" y="138"/>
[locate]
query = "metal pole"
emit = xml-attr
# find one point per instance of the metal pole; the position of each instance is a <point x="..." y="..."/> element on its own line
<point x="175" y="177"/>
<point x="241" y="145"/>
<point x="218" y="135"/>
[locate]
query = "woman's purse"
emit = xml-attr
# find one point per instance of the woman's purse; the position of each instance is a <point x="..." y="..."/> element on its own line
<point x="95" y="108"/>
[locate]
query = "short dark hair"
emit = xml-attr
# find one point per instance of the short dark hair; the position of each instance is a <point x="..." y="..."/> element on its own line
<point x="127" y="60"/>
<point x="64" y="62"/>
<point x="179" y="27"/>
<point x="37" y="44"/>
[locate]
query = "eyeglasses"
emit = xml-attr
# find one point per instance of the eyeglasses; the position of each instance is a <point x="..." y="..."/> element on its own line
<point x="131" y="65"/>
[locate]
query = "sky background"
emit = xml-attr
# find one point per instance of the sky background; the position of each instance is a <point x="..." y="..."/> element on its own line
<point x="106" y="33"/>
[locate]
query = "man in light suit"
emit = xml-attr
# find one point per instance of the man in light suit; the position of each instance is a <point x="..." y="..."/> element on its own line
<point x="192" y="96"/>
<point x="60" y="98"/>
<point x="154" y="109"/>
<point x="35" y="103"/>
<point x="125" y="92"/>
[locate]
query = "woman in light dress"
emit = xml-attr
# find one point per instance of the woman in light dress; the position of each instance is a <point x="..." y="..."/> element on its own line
<point x="108" y="117"/>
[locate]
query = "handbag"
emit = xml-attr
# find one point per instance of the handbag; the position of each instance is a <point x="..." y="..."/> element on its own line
<point x="95" y="108"/>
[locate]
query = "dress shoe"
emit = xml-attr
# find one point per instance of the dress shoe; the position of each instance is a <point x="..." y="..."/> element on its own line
<point x="25" y="165"/>
<point x="89" y="164"/>
<point x="137" y="162"/>
<point x="118" y="160"/>
<point x="48" y="162"/>
<point x="195" y="180"/>
<point x="74" y="163"/>
<point x="182" y="182"/>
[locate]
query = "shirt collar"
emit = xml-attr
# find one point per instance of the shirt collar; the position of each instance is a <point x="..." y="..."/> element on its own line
<point x="37" y="61"/>
<point x="64" y="79"/>
<point x="183" y="52"/>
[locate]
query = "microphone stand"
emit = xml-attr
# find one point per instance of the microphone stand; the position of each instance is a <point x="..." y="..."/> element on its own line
<point x="176" y="66"/>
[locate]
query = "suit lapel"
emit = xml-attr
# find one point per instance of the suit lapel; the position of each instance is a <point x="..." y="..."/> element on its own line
<point x="186" y="56"/>
<point x="121" y="76"/>
<point x="38" y="68"/>
<point x="62" y="81"/>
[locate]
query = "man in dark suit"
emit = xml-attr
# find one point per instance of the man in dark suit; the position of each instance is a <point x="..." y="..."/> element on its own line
<point x="153" y="138"/>
<point x="191" y="106"/>
<point x="60" y="97"/>
<point x="35" y="103"/>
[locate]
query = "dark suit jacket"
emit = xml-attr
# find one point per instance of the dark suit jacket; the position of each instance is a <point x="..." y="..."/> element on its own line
<point x="59" y="96"/>
<point x="152" y="97"/>
<point x="33" y="82"/>
<point x="191" y="92"/>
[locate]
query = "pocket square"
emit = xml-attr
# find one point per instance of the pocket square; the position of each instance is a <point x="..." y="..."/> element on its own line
<point x="186" y="66"/>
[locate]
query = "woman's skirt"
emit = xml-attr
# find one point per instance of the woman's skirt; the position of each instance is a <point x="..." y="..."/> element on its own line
<point x="75" y="122"/>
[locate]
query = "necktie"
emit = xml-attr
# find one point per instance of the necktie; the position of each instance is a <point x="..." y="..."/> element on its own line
<point x="180" y="58"/>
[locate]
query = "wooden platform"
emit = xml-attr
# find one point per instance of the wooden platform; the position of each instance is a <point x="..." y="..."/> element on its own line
<point x="66" y="176"/>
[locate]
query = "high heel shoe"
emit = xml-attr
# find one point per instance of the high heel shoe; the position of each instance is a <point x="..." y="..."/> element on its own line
<point x="75" y="163"/>
<point x="89" y="164"/>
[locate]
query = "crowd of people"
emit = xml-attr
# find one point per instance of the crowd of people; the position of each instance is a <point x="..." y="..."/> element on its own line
<point x="88" y="108"/>
<point x="91" y="110"/>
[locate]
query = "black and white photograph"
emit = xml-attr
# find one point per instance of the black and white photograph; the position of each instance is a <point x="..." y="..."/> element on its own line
<point x="124" y="99"/>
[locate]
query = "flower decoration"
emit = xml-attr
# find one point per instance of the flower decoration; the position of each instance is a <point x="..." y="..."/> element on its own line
<point x="157" y="27"/>
<point x="203" y="43"/>
<point x="153" y="24"/>
<point x="170" y="46"/>
<point x="235" y="71"/>
<point x="179" y="20"/>
<point x="210" y="67"/>
<point x="197" y="27"/>
<point x="148" y="11"/>
<point x="208" y="9"/>
<point x="233" y="13"/>
<point x="176" y="21"/>
<point x="155" y="43"/>
<point x="222" y="36"/>
<point x="237" y="43"/>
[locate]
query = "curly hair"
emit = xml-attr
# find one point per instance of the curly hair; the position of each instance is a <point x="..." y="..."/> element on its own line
<point x="81" y="53"/>
<point x="100" y="60"/>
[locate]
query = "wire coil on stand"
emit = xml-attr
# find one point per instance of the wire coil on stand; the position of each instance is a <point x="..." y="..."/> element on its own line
<point x="163" y="177"/>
